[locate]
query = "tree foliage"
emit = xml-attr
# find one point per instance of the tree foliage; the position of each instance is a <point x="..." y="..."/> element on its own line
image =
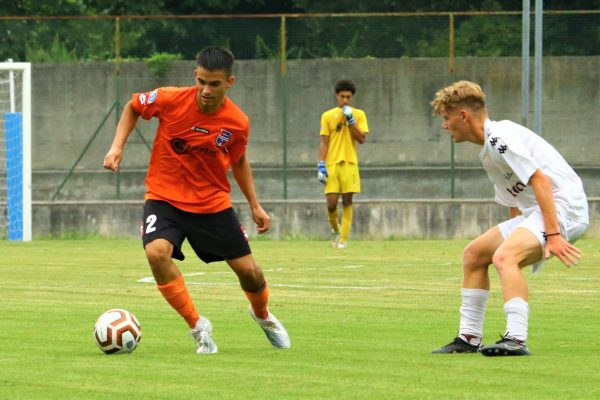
<point x="318" y="36"/>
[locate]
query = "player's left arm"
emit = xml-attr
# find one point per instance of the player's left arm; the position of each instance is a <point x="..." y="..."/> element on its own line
<point x="357" y="134"/>
<point x="555" y="242"/>
<point x="357" y="124"/>
<point x="243" y="176"/>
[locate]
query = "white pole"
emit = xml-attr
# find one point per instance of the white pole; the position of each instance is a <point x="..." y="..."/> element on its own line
<point x="25" y="69"/>
<point x="539" y="10"/>
<point x="27" y="211"/>
<point x="525" y="40"/>
<point x="11" y="85"/>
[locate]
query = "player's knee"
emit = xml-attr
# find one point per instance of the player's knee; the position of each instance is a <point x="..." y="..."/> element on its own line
<point x="502" y="260"/>
<point x="473" y="257"/>
<point x="157" y="253"/>
<point x="251" y="277"/>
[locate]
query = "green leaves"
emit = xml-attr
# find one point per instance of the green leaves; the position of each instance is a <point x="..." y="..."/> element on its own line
<point x="160" y="63"/>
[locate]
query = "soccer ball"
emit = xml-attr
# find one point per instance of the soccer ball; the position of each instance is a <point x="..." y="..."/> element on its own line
<point x="117" y="331"/>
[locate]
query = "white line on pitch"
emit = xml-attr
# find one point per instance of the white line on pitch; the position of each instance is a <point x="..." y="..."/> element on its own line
<point x="403" y="288"/>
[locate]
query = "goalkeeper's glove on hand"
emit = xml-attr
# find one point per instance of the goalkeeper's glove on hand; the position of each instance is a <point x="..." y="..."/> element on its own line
<point x="322" y="173"/>
<point x="347" y="111"/>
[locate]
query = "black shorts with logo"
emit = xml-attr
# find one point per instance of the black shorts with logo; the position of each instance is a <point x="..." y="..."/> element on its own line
<point x="214" y="237"/>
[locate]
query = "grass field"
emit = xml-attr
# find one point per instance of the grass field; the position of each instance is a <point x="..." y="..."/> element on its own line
<point x="362" y="322"/>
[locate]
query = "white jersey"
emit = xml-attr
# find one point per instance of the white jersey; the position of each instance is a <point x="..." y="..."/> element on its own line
<point x="511" y="153"/>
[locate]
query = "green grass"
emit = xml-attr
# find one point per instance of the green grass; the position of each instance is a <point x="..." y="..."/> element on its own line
<point x="362" y="322"/>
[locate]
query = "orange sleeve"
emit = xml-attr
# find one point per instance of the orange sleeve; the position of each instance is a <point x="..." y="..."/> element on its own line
<point x="148" y="104"/>
<point x="238" y="147"/>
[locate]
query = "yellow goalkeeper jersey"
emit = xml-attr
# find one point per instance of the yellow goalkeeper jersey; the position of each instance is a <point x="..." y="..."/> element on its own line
<point x="342" y="146"/>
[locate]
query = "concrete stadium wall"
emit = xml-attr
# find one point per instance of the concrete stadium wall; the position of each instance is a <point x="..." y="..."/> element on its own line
<point x="383" y="219"/>
<point x="407" y="155"/>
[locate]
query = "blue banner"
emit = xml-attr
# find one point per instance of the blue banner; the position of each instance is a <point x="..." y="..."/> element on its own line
<point x="13" y="124"/>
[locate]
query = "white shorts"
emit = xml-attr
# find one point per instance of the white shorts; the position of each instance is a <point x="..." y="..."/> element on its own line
<point x="534" y="222"/>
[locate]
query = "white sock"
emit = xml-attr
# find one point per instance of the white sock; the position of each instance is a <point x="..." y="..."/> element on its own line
<point x="517" y="318"/>
<point x="472" y="313"/>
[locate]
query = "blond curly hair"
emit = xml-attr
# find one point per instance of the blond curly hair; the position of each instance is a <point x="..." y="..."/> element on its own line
<point x="459" y="94"/>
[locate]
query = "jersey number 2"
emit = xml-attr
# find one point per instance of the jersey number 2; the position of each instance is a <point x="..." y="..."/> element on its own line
<point x="150" y="221"/>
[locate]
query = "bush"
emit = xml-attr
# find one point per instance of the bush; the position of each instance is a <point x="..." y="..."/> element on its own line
<point x="160" y="63"/>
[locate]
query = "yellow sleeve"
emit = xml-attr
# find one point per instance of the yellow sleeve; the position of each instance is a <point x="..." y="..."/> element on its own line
<point x="324" y="125"/>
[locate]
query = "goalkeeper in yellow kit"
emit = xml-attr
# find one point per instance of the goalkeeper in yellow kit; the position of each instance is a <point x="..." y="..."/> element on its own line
<point x="341" y="128"/>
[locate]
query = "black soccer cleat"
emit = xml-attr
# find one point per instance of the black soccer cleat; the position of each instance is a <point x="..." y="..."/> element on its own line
<point x="457" y="346"/>
<point x="506" y="346"/>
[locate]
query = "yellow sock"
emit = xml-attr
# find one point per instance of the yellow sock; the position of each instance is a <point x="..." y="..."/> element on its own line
<point x="333" y="220"/>
<point x="346" y="223"/>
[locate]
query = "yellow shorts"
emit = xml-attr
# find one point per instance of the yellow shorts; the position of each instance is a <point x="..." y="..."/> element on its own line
<point x="343" y="178"/>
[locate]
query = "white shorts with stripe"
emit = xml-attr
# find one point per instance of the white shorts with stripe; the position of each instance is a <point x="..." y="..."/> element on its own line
<point x="534" y="222"/>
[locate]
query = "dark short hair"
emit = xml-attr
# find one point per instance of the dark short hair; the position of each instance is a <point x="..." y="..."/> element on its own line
<point x="345" y="85"/>
<point x="215" y="58"/>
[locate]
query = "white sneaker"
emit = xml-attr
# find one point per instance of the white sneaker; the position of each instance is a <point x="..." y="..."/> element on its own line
<point x="342" y="245"/>
<point x="274" y="330"/>
<point x="335" y="239"/>
<point x="202" y="334"/>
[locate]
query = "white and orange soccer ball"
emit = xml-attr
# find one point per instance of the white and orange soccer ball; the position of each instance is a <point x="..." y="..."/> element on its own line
<point x="117" y="331"/>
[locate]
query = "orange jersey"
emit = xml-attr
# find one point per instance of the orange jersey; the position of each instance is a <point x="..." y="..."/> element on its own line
<point x="192" y="151"/>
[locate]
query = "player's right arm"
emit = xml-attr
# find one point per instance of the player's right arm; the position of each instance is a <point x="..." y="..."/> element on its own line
<point x="323" y="148"/>
<point x="556" y="244"/>
<point x="126" y="124"/>
<point x="322" y="174"/>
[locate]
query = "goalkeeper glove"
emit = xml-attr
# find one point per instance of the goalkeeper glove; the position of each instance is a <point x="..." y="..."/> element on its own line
<point x="347" y="111"/>
<point x="322" y="173"/>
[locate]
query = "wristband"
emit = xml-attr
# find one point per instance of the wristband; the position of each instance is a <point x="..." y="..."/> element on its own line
<point x="546" y="235"/>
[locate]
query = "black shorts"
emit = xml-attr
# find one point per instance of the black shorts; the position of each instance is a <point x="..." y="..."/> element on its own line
<point x="214" y="237"/>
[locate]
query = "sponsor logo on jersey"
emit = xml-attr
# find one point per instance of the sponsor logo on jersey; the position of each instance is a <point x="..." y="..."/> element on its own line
<point x="508" y="175"/>
<point x="152" y="96"/>
<point x="142" y="99"/>
<point x="201" y="130"/>
<point x="223" y="137"/>
<point x="181" y="146"/>
<point x="516" y="189"/>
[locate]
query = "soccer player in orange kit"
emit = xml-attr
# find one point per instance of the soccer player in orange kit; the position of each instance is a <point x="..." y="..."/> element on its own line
<point x="201" y="134"/>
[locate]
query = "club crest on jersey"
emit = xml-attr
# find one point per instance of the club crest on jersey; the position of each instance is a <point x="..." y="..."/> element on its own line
<point x="223" y="137"/>
<point x="152" y="96"/>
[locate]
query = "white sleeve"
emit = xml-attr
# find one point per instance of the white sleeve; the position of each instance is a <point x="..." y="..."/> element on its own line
<point x="510" y="150"/>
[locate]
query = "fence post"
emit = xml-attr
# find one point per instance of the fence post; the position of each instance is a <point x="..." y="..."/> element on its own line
<point x="525" y="42"/>
<point x="118" y="90"/>
<point x="451" y="42"/>
<point x="284" y="105"/>
<point x="451" y="67"/>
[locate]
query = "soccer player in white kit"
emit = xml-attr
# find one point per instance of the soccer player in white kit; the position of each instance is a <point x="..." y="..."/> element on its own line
<point x="548" y="209"/>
